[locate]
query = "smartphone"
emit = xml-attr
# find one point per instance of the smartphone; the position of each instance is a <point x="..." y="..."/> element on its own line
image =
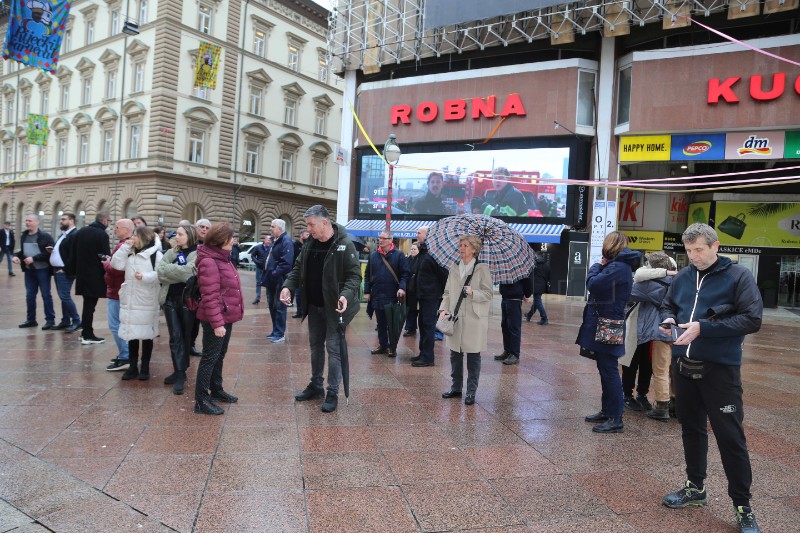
<point x="676" y="332"/>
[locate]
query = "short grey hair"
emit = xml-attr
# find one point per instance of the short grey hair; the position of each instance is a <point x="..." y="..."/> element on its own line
<point x="202" y="221"/>
<point x="697" y="230"/>
<point x="280" y="223"/>
<point x="316" y="211"/>
<point x="34" y="216"/>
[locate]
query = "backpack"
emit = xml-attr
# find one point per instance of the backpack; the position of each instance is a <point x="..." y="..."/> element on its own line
<point x="191" y="293"/>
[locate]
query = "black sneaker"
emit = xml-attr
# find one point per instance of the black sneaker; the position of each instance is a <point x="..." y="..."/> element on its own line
<point x="644" y="402"/>
<point x="91" y="340"/>
<point x="631" y="403"/>
<point x="310" y="393"/>
<point x="502" y="357"/>
<point x="330" y="403"/>
<point x="746" y="520"/>
<point x="688" y="495"/>
<point x="117" y="365"/>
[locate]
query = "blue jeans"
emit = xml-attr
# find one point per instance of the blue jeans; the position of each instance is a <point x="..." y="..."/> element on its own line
<point x="538" y="306"/>
<point x="511" y="325"/>
<point x="39" y="280"/>
<point x="8" y="255"/>
<point x="608" y="366"/>
<point x="277" y="311"/>
<point x="322" y="336"/>
<point x="259" y="273"/>
<point x="69" y="311"/>
<point x="298" y="307"/>
<point x="113" y="325"/>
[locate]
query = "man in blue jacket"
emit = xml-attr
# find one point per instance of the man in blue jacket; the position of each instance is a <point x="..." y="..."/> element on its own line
<point x="385" y="281"/>
<point x="279" y="264"/>
<point x="258" y="255"/>
<point x="511" y="322"/>
<point x="715" y="303"/>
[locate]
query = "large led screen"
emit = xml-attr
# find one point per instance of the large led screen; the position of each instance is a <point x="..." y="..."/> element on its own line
<point x="519" y="181"/>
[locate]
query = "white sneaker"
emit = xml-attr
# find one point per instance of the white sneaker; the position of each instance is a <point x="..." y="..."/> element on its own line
<point x="91" y="340"/>
<point x="277" y="339"/>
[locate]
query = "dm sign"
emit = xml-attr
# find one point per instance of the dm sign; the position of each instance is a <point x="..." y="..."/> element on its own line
<point x="645" y="148"/>
<point x="35" y="30"/>
<point x="754" y="145"/>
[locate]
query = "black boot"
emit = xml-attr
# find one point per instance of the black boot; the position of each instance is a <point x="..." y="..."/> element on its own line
<point x="144" y="373"/>
<point x="207" y="407"/>
<point x="180" y="382"/>
<point x="133" y="369"/>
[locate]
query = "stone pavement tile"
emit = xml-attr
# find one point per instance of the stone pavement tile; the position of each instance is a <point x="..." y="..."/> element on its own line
<point x="410" y="437"/>
<point x="346" y="469"/>
<point x="514" y="410"/>
<point x="105" y="442"/>
<point x="778" y="514"/>
<point x="625" y="491"/>
<point x="550" y="498"/>
<point x="260" y="415"/>
<point x="253" y="512"/>
<point x="159" y="474"/>
<point x="178" y="440"/>
<point x="265" y="396"/>
<point x="360" y="509"/>
<point x="459" y="505"/>
<point x="399" y="413"/>
<point x="12" y="518"/>
<point x="97" y="516"/>
<point x="18" y="395"/>
<point x="96" y="471"/>
<point x="96" y="417"/>
<point x="67" y="396"/>
<point x="310" y="414"/>
<point x="258" y="440"/>
<point x="178" y="411"/>
<point x="772" y="479"/>
<point x="388" y="396"/>
<point x="241" y="472"/>
<point x="769" y="444"/>
<point x="31" y="440"/>
<point x="421" y="466"/>
<point x="665" y="520"/>
<point x="509" y="461"/>
<point x="132" y="393"/>
<point x="177" y="511"/>
<point x="480" y="434"/>
<point x="453" y="410"/>
<point x="336" y="439"/>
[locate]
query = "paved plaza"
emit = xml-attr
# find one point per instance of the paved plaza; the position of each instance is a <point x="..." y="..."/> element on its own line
<point x="81" y="450"/>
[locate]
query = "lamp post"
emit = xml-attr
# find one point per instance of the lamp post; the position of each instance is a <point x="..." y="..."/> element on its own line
<point x="391" y="152"/>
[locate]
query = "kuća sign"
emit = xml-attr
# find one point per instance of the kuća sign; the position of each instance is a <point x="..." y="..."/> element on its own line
<point x="728" y="90"/>
<point x="458" y="109"/>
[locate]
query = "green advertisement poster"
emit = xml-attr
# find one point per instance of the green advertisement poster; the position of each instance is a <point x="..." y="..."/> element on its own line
<point x="770" y="225"/>
<point x="698" y="213"/>
<point x="791" y="148"/>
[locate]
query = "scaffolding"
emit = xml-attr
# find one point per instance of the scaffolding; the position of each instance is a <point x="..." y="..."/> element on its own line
<point x="367" y="34"/>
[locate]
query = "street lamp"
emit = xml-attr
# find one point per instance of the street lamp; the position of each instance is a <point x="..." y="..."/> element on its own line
<point x="391" y="152"/>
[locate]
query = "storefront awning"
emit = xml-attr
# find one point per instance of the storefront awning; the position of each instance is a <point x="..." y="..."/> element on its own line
<point x="550" y="233"/>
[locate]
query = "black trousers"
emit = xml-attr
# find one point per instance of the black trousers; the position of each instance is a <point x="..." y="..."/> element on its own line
<point x="511" y="325"/>
<point x="87" y="315"/>
<point x="717" y="397"/>
<point x="642" y="363"/>
<point x="427" y="316"/>
<point x="209" y="373"/>
<point x="473" y="371"/>
<point x="180" y="322"/>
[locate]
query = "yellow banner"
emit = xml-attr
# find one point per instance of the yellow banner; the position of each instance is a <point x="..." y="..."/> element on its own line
<point x="645" y="148"/>
<point x="645" y="240"/>
<point x="767" y="225"/>
<point x="205" y="74"/>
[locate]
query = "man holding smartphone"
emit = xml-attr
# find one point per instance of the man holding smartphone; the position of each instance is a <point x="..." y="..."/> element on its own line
<point x="717" y="302"/>
<point x="34" y="257"/>
<point x="90" y="247"/>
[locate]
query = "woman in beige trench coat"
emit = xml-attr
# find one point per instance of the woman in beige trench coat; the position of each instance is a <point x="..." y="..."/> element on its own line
<point x="472" y="327"/>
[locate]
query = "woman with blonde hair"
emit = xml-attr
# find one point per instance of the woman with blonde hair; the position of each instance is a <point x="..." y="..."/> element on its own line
<point x="471" y="279"/>
<point x="138" y="297"/>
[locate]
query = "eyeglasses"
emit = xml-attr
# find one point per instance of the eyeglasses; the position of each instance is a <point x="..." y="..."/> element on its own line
<point x="384" y="238"/>
<point x="203" y="227"/>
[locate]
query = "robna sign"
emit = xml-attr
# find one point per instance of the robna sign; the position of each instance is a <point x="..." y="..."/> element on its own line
<point x="724" y="89"/>
<point x="458" y="109"/>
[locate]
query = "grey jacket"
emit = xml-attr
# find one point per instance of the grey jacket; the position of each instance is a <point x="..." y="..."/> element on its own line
<point x="650" y="293"/>
<point x="170" y="272"/>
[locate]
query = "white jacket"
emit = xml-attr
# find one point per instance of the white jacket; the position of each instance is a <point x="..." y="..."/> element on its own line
<point x="138" y="299"/>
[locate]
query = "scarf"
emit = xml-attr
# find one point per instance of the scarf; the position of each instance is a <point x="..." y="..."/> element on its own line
<point x="391" y="247"/>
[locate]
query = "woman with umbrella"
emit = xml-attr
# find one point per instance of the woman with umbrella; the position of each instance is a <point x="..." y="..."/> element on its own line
<point x="474" y="281"/>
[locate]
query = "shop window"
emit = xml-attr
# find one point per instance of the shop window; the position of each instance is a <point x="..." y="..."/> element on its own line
<point x="624" y="96"/>
<point x="586" y="100"/>
<point x="248" y="228"/>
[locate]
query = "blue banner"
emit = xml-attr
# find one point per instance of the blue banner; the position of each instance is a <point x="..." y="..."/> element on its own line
<point x="35" y="30"/>
<point x="699" y="146"/>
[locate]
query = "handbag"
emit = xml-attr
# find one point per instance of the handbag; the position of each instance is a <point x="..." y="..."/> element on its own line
<point x="733" y="226"/>
<point x="447" y="324"/>
<point x="691" y="368"/>
<point x="609" y="330"/>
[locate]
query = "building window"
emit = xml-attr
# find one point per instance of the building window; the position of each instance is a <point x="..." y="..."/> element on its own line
<point x="321" y="122"/>
<point x="136" y="136"/>
<point x="586" y="88"/>
<point x="142" y="12"/>
<point x="260" y="43"/>
<point x="66" y="41"/>
<point x="290" y="112"/>
<point x="251" y="160"/>
<point x="294" y="58"/>
<point x="197" y="143"/>
<point x="287" y="164"/>
<point x="256" y="98"/>
<point x="42" y="157"/>
<point x="9" y="158"/>
<point x="10" y="108"/>
<point x="111" y="84"/>
<point x="115" y="18"/>
<point x="89" y="32"/>
<point x="204" y="19"/>
<point x="138" y="77"/>
<point x="23" y="157"/>
<point x="624" y="96"/>
<point x="202" y="92"/>
<point x="26" y="106"/>
<point x="45" y="102"/>
<point x="86" y="97"/>
<point x="62" y="153"/>
<point x="64" y="97"/>
<point x="108" y="145"/>
<point x="323" y="70"/>
<point x="317" y="172"/>
<point x="84" y="141"/>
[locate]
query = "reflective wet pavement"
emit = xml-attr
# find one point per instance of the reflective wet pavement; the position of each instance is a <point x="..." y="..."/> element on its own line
<point x="81" y="450"/>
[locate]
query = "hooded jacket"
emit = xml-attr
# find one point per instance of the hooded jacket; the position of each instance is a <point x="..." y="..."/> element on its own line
<point x="222" y="302"/>
<point x="726" y="303"/>
<point x="279" y="262"/>
<point x="138" y="298"/>
<point x="609" y="289"/>
<point x="650" y="293"/>
<point x="431" y="278"/>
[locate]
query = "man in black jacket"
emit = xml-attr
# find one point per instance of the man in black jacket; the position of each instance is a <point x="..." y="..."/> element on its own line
<point x="258" y="255"/>
<point x="431" y="280"/>
<point x="34" y="257"/>
<point x="7" y="243"/>
<point x="385" y="281"/>
<point x="541" y="283"/>
<point x="59" y="258"/>
<point x="90" y="247"/>
<point x="715" y="303"/>
<point x="511" y="322"/>
<point x="508" y="200"/>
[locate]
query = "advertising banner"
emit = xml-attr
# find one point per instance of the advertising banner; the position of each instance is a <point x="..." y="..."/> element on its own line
<point x="703" y="146"/>
<point x="699" y="213"/>
<point x="645" y="148"/>
<point x="673" y="242"/>
<point x="754" y="145"/>
<point x="35" y="30"/>
<point x="205" y="74"/>
<point x="604" y="216"/>
<point x="766" y="225"/>
<point x="38" y="129"/>
<point x="645" y="240"/>
<point x="791" y="150"/>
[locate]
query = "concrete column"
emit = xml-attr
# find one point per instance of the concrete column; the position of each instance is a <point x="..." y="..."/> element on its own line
<point x="343" y="199"/>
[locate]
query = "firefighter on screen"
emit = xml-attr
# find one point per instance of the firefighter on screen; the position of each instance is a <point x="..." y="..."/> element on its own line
<point x="508" y="201"/>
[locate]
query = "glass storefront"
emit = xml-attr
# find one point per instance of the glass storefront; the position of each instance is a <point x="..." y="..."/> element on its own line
<point x="789" y="284"/>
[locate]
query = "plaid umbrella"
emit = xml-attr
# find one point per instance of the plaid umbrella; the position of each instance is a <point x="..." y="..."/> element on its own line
<point x="504" y="250"/>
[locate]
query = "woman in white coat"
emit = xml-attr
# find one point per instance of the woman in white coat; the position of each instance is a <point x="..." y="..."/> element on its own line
<point x="138" y="297"/>
<point x="472" y="327"/>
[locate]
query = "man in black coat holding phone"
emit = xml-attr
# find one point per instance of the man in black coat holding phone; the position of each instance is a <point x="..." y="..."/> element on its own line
<point x="90" y="247"/>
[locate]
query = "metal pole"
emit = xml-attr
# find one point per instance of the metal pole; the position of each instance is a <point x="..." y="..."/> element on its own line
<point x="389" y="199"/>
<point x="239" y="120"/>
<point x="115" y="212"/>
<point x="15" y="146"/>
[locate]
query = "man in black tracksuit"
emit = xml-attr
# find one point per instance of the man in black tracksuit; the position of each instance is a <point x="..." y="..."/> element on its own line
<point x="511" y="322"/>
<point x="717" y="302"/>
<point x="431" y="279"/>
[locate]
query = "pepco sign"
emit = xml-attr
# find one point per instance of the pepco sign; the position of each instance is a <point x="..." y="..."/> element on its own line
<point x="458" y="109"/>
<point x="700" y="146"/>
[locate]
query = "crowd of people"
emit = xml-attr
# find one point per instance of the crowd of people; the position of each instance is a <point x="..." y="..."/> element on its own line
<point x="686" y="336"/>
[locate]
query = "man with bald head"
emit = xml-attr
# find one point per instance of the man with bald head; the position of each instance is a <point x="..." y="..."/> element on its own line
<point x="123" y="230"/>
<point x="34" y="257"/>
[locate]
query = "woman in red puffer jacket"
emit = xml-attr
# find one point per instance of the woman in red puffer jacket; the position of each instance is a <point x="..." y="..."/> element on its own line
<point x="221" y="305"/>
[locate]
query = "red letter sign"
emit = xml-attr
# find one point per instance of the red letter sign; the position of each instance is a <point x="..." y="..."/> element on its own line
<point x="455" y="109"/>
<point x="401" y="113"/>
<point x="757" y="86"/>
<point x="427" y="112"/>
<point x="513" y="106"/>
<point x="724" y="90"/>
<point x="481" y="107"/>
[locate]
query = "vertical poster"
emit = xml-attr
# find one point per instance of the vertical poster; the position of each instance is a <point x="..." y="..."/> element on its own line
<point x="205" y="74"/>
<point x="768" y="225"/>
<point x="38" y="130"/>
<point x="35" y="30"/>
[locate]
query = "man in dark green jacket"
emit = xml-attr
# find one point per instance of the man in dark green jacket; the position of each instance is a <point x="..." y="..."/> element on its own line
<point x="329" y="276"/>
